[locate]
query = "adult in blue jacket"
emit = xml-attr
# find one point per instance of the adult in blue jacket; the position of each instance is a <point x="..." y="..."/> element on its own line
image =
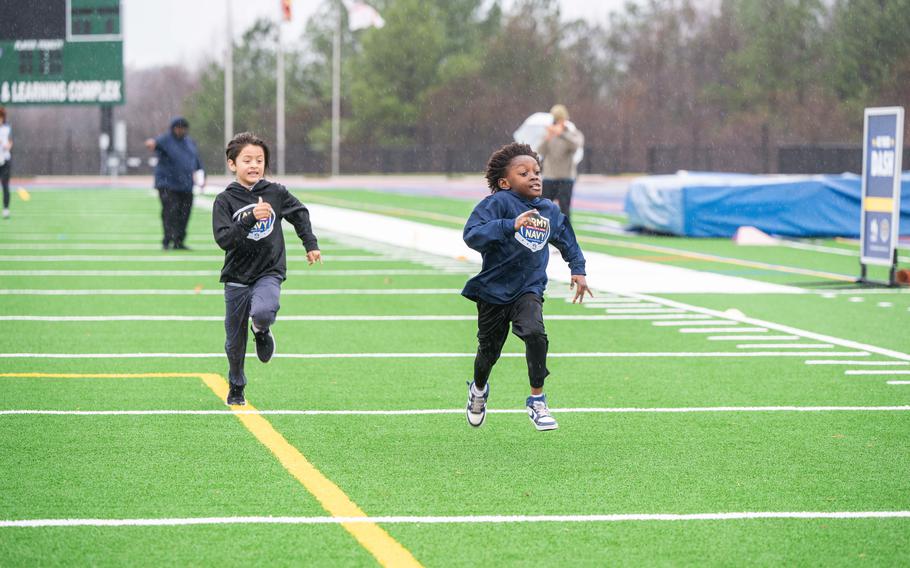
<point x="512" y="229"/>
<point x="178" y="162"/>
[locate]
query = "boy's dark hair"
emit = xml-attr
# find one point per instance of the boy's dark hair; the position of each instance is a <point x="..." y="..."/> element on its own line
<point x="499" y="161"/>
<point x="241" y="141"/>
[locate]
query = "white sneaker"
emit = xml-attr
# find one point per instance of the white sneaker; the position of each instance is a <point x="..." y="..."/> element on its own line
<point x="476" y="412"/>
<point x="539" y="413"/>
<point x="6" y="213"/>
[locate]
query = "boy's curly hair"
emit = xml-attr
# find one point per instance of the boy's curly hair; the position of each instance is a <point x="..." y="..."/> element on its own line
<point x="499" y="161"/>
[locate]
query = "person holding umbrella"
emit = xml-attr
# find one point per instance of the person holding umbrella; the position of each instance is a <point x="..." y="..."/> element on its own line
<point x="557" y="150"/>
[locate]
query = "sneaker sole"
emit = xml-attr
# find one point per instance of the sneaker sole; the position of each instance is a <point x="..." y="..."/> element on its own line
<point x="237" y="404"/>
<point x="482" y="420"/>
<point x="544" y="427"/>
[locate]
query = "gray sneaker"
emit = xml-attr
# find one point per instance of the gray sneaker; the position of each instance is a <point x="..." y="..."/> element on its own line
<point x="476" y="412"/>
<point x="539" y="413"/>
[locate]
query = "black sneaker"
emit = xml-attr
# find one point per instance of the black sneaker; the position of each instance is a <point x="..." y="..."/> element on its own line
<point x="181" y="246"/>
<point x="265" y="344"/>
<point x="235" y="396"/>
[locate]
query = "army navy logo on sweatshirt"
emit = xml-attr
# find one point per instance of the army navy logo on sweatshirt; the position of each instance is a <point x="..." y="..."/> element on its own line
<point x="262" y="228"/>
<point x="534" y="235"/>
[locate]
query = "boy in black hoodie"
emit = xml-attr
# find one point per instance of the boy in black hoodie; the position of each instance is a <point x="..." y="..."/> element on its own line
<point x="246" y="221"/>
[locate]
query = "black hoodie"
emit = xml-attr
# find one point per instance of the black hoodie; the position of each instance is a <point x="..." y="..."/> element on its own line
<point x="254" y="249"/>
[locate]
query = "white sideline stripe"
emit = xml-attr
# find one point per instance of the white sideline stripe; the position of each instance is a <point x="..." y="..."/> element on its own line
<point x="325" y="246"/>
<point x="718" y="354"/>
<point x="175" y="318"/>
<point x="311" y="272"/>
<point x="639" y="305"/>
<point x="644" y="311"/>
<point x="459" y="411"/>
<point x="704" y="322"/>
<point x="899" y="382"/>
<point x="784" y="346"/>
<point x="848" y="362"/>
<point x="187" y="258"/>
<point x="623" y="274"/>
<point x="220" y="292"/>
<point x="874" y="372"/>
<point x="847" y="343"/>
<point x="723" y="330"/>
<point x="752" y="337"/>
<point x="476" y="519"/>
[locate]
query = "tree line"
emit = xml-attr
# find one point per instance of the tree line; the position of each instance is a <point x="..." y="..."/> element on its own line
<point x="716" y="84"/>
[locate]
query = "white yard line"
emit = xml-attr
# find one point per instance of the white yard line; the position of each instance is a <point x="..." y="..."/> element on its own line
<point x="176" y="318"/>
<point x="875" y="372"/>
<point x="214" y="273"/>
<point x="475" y="519"/>
<point x="784" y="346"/>
<point x="644" y="311"/>
<point x="707" y="321"/>
<point x="580" y="355"/>
<point x="752" y="337"/>
<point x="217" y="291"/>
<point x="722" y="329"/>
<point x="840" y="342"/>
<point x="171" y="258"/>
<point x="899" y="382"/>
<point x="457" y="411"/>
<point x="848" y="362"/>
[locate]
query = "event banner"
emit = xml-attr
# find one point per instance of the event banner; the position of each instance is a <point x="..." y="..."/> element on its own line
<point x="883" y="146"/>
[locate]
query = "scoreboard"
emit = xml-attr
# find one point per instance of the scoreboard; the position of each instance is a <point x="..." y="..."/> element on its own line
<point x="61" y="52"/>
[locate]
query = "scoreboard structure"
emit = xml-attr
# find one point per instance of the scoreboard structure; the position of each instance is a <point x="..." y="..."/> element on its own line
<point x="61" y="52"/>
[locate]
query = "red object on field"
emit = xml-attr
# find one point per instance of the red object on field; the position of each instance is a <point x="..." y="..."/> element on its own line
<point x="903" y="277"/>
<point x="286" y="10"/>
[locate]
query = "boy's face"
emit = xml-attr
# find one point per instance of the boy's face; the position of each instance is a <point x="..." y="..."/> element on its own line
<point x="249" y="165"/>
<point x="523" y="177"/>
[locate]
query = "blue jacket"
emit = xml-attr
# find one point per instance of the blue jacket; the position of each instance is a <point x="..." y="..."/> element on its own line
<point x="515" y="263"/>
<point x="177" y="160"/>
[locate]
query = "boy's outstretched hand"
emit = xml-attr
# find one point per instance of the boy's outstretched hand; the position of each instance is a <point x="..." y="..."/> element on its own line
<point x="314" y="256"/>
<point x="581" y="286"/>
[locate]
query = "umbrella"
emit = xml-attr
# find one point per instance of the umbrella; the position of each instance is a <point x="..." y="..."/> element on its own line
<point x="534" y="128"/>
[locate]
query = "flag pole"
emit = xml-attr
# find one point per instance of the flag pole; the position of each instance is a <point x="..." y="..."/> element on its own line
<point x="279" y="106"/>
<point x="229" y="81"/>
<point x="336" y="96"/>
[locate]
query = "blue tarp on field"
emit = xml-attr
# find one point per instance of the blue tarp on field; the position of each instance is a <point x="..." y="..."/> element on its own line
<point x="716" y="204"/>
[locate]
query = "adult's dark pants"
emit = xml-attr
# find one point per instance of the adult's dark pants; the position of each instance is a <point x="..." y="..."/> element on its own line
<point x="259" y="302"/>
<point x="4" y="180"/>
<point x="175" y="215"/>
<point x="560" y="191"/>
<point x="526" y="318"/>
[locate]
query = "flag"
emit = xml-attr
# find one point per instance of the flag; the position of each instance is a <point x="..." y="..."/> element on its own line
<point x="286" y="10"/>
<point x="362" y="15"/>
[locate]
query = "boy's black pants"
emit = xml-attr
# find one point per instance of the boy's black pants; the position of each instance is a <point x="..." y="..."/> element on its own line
<point x="526" y="316"/>
<point x="4" y="181"/>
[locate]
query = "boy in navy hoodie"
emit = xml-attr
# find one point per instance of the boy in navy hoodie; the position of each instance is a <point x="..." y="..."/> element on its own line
<point x="246" y="221"/>
<point x="512" y="229"/>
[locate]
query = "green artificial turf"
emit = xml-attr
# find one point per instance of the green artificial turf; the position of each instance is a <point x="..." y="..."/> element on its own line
<point x="597" y="463"/>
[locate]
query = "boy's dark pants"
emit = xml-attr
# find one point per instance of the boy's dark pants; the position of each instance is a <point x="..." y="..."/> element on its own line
<point x="258" y="301"/>
<point x="526" y="316"/>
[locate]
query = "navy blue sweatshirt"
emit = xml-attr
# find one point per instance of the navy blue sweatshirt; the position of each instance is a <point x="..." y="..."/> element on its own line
<point x="178" y="158"/>
<point x="515" y="263"/>
<point x="254" y="249"/>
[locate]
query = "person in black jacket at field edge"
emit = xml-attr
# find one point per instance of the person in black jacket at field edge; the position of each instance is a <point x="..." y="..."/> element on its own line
<point x="177" y="171"/>
<point x="246" y="221"/>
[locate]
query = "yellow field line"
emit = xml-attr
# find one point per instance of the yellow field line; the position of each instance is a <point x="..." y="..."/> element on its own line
<point x="386" y="550"/>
